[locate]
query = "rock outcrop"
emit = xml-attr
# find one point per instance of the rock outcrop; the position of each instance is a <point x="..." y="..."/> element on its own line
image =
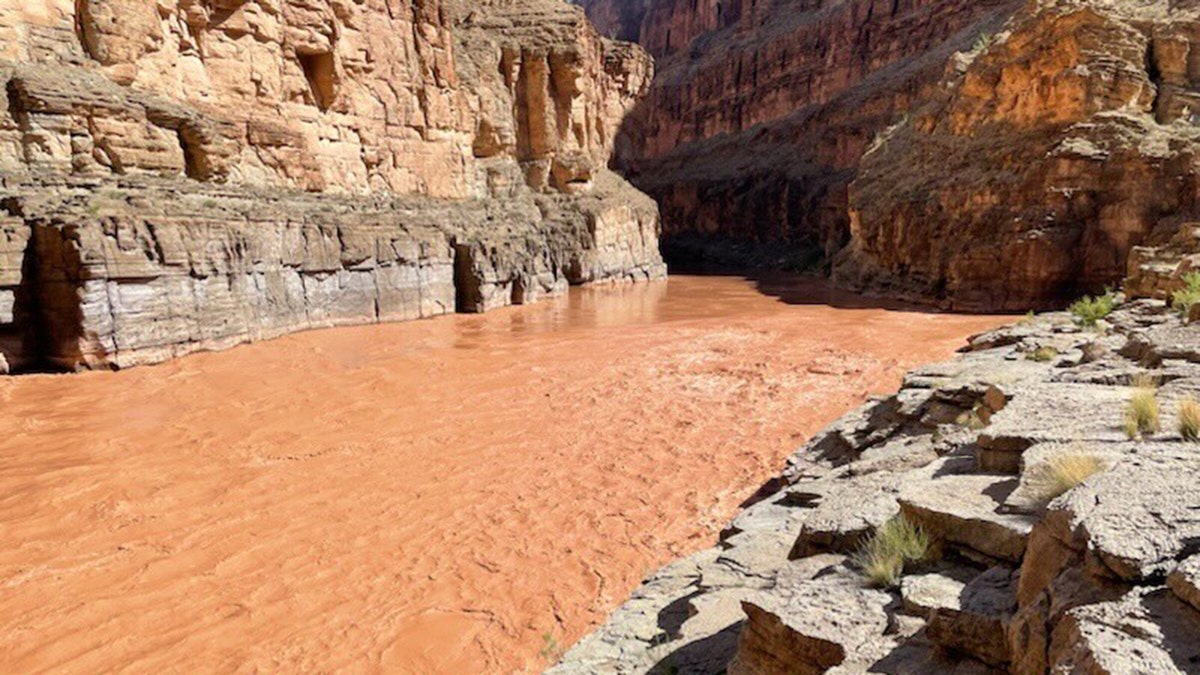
<point x="186" y="175"/>
<point x="1055" y="147"/>
<point x="1093" y="574"/>
<point x="1007" y="154"/>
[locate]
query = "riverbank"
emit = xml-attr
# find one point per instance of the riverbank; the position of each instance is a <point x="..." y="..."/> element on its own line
<point x="1056" y="495"/>
<point x="465" y="493"/>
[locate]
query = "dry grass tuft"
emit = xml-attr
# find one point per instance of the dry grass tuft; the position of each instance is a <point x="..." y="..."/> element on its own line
<point x="1141" y="413"/>
<point x="1057" y="476"/>
<point x="883" y="557"/>
<point x="1189" y="419"/>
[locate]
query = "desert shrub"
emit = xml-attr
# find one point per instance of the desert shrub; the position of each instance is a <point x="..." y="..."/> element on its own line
<point x="983" y="42"/>
<point x="1189" y="419"/>
<point x="1183" y="299"/>
<point x="895" y="544"/>
<point x="1089" y="310"/>
<point x="551" y="650"/>
<point x="1042" y="354"/>
<point x="1057" y="476"/>
<point x="1141" y="413"/>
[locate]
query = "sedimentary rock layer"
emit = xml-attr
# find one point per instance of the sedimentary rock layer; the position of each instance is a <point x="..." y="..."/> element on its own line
<point x="988" y="155"/>
<point x="1031" y="568"/>
<point x="188" y="175"/>
<point x="1054" y="148"/>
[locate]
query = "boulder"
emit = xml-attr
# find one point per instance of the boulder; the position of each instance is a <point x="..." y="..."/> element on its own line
<point x="963" y="512"/>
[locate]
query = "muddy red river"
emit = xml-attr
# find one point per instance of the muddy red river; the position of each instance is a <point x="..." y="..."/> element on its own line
<point x="442" y="496"/>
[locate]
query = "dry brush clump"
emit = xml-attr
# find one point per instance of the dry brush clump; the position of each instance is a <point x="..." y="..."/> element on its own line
<point x="893" y="546"/>
<point x="1189" y="419"/>
<point x="1042" y="354"/>
<point x="1141" y="413"/>
<point x="1060" y="474"/>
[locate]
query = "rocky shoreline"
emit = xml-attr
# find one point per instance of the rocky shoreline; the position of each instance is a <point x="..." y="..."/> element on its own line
<point x="1102" y="579"/>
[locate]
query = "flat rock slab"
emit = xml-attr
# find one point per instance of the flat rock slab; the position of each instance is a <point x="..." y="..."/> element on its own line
<point x="975" y="620"/>
<point x="962" y="510"/>
<point x="847" y="515"/>
<point x="1139" y="518"/>
<point x="1058" y="412"/>
<point x="1147" y="631"/>
<point x="813" y="626"/>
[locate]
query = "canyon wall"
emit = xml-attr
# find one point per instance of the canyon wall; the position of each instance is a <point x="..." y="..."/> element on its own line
<point x="1003" y="154"/>
<point x="188" y="174"/>
<point x="1052" y="150"/>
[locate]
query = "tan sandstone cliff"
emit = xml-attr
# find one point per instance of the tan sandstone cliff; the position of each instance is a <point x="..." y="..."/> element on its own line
<point x="189" y="174"/>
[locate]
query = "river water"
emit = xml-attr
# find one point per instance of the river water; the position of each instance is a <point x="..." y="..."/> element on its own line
<point x="458" y="495"/>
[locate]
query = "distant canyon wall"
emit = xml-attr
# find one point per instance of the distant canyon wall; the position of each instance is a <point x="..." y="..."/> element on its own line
<point x="188" y="174"/>
<point x="996" y="154"/>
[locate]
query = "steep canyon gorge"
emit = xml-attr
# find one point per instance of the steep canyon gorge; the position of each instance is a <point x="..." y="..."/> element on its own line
<point x="984" y="155"/>
<point x="476" y="493"/>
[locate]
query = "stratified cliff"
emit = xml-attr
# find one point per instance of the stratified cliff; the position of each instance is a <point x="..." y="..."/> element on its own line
<point x="1051" y="150"/>
<point x="1004" y="154"/>
<point x="190" y="174"/>
<point x="761" y="111"/>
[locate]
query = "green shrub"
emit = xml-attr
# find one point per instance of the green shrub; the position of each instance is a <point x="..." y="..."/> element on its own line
<point x="1088" y="310"/>
<point x="1189" y="419"/>
<point x="895" y="544"/>
<point x="1055" y="477"/>
<point x="1141" y="413"/>
<point x="1183" y="299"/>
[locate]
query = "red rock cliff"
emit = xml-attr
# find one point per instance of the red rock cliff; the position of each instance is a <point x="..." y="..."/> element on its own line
<point x="761" y="110"/>
<point x="987" y="155"/>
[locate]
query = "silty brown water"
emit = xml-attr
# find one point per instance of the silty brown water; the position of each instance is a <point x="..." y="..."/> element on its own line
<point x="443" y="496"/>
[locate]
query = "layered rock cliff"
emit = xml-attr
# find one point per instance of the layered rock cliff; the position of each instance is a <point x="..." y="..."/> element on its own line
<point x="187" y="175"/>
<point x="1053" y="149"/>
<point x="1057" y="543"/>
<point x="1004" y="154"/>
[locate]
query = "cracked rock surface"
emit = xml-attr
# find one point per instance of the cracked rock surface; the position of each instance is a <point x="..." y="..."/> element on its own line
<point x="1095" y="576"/>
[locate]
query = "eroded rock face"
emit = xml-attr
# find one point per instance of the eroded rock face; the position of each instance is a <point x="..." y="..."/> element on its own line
<point x="459" y="150"/>
<point x="986" y="155"/>
<point x="762" y="110"/>
<point x="1095" y="574"/>
<point x="1052" y="150"/>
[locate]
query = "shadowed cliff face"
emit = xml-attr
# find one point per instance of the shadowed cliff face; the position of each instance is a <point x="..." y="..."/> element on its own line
<point x="760" y="112"/>
<point x="987" y="155"/>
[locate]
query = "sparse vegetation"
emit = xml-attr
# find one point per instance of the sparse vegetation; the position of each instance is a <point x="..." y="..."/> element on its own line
<point x="1042" y="354"/>
<point x="982" y="43"/>
<point x="551" y="651"/>
<point x="882" y="559"/>
<point x="1060" y="474"/>
<point x="1189" y="419"/>
<point x="1141" y="413"/>
<point x="1029" y="319"/>
<point x="974" y="419"/>
<point x="1088" y="310"/>
<point x="1183" y="299"/>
